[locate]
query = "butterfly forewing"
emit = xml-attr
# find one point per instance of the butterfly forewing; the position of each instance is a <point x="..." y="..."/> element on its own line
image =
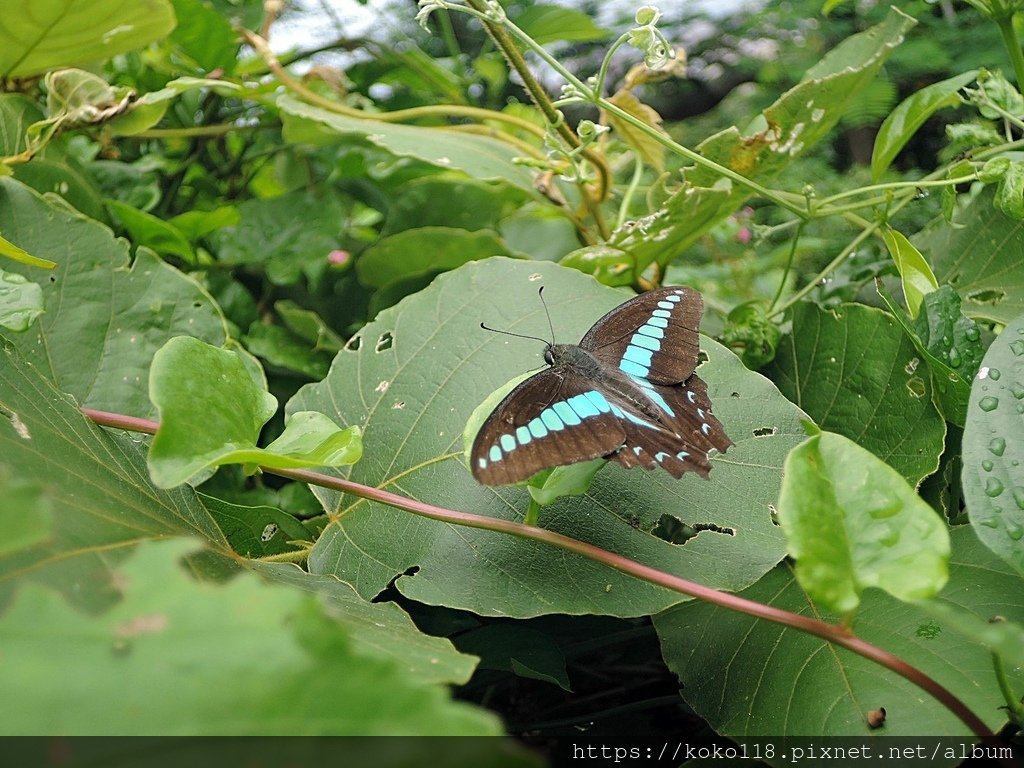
<point x="555" y="417"/>
<point x="653" y="336"/>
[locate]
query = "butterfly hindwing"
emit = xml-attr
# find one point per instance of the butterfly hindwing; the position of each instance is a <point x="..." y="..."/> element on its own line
<point x="555" y="417"/>
<point x="653" y="336"/>
<point x="688" y="436"/>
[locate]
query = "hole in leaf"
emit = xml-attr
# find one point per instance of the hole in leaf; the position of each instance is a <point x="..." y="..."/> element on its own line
<point x="764" y="431"/>
<point x="702" y="357"/>
<point x="53" y="279"/>
<point x="987" y="297"/>
<point x="773" y="514"/>
<point x="734" y="394"/>
<point x="353" y="344"/>
<point x="384" y="342"/>
<point x="675" y="531"/>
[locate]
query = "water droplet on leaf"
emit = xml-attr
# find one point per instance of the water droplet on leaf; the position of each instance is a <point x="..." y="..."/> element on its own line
<point x="988" y="404"/>
<point x="993" y="487"/>
<point x="997" y="445"/>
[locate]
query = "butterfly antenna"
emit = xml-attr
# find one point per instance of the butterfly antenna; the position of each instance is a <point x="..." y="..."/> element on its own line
<point x="509" y="333"/>
<point x="551" y="327"/>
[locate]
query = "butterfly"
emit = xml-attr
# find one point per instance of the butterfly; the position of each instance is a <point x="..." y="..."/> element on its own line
<point x="627" y="392"/>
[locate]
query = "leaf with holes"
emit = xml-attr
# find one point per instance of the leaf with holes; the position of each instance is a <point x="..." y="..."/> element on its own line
<point x="412" y="378"/>
<point x="978" y="253"/>
<point x="758" y="678"/>
<point x="855" y="372"/>
<point x="105" y="316"/>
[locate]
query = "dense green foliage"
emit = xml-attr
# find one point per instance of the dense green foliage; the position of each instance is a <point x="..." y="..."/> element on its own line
<point x="286" y="262"/>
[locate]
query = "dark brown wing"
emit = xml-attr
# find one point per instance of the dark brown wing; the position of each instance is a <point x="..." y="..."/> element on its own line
<point x="694" y="431"/>
<point x="555" y="417"/>
<point x="653" y="336"/>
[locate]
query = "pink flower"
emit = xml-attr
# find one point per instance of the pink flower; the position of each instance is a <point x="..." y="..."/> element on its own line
<point x="338" y="258"/>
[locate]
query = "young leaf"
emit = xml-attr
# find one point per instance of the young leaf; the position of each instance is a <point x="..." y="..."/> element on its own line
<point x="212" y="410"/>
<point x="11" y="251"/>
<point x="949" y="342"/>
<point x="1010" y="193"/>
<point x="993" y="447"/>
<point x="915" y="274"/>
<point x="978" y="253"/>
<point x="21" y="301"/>
<point x="852" y="522"/>
<point x="905" y="120"/>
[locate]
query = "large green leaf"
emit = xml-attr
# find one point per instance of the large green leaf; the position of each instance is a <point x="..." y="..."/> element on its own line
<point x="44" y="34"/>
<point x="552" y="23"/>
<point x="978" y="253"/>
<point x="855" y="372"/>
<point x="104" y="319"/>
<point x="478" y="156"/>
<point x="756" y="678"/>
<point x="993" y="447"/>
<point x="206" y="658"/>
<point x="94" y="490"/>
<point x="414" y="376"/>
<point x="97" y="485"/>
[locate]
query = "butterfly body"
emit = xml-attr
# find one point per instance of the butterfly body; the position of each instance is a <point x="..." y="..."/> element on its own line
<point x="627" y="392"/>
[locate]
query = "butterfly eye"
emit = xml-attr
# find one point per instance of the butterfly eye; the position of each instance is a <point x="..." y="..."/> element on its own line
<point x="549" y="356"/>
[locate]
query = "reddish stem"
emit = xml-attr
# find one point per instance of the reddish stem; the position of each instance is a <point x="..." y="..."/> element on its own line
<point x="832" y="633"/>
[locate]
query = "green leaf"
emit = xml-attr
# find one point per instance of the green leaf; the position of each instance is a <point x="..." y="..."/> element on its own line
<point x="75" y="97"/>
<point x="66" y="179"/>
<point x="26" y="516"/>
<point x="189" y="648"/>
<point x="852" y="522"/>
<point x="571" y="480"/>
<point x="60" y="33"/>
<point x="751" y="330"/>
<point x="854" y="371"/>
<point x="552" y="23"/>
<point x="283" y="349"/>
<point x="908" y="117"/>
<point x="915" y="274"/>
<point x="278" y="235"/>
<point x="95" y="482"/>
<point x="539" y="230"/>
<point x="17" y="113"/>
<point x="759" y="678"/>
<point x="11" y="251"/>
<point x="146" y="111"/>
<point x="1010" y="193"/>
<point x="198" y="224"/>
<point x="146" y="229"/>
<point x="412" y="378"/>
<point x="106" y="315"/>
<point x="993" y="447"/>
<point x="421" y="251"/>
<point x="978" y="253"/>
<point x="949" y="343"/>
<point x="519" y="649"/>
<point x="477" y="156"/>
<point x="441" y="200"/>
<point x="211" y="413"/>
<point x="205" y="35"/>
<point x="308" y="325"/>
<point x="21" y="302"/>
<point x="256" y="531"/>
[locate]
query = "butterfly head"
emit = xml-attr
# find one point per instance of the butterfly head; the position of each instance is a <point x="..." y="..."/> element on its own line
<point x="549" y="354"/>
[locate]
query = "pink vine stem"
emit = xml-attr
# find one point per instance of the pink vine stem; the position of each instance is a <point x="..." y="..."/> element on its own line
<point x="832" y="633"/>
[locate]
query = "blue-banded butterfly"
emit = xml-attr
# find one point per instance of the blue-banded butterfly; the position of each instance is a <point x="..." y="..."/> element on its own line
<point x="627" y="392"/>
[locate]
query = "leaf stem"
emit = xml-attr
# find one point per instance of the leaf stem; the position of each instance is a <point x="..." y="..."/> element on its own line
<point x="829" y="632"/>
<point x="1005" y="23"/>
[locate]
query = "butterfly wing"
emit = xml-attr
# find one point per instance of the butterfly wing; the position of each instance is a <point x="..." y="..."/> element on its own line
<point x="653" y="340"/>
<point x="653" y="336"/>
<point x="555" y="417"/>
<point x="683" y="444"/>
